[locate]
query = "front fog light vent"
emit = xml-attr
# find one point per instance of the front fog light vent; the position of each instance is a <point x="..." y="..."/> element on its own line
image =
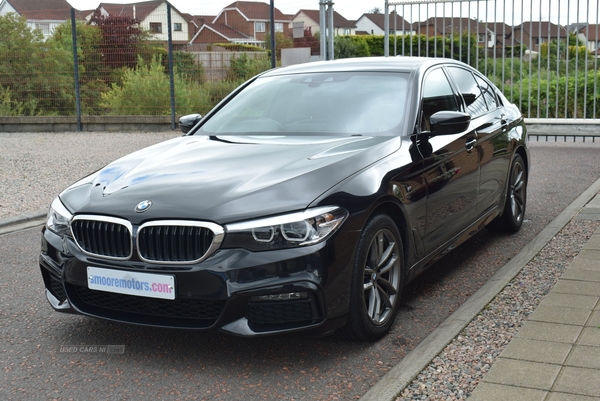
<point x="290" y="296"/>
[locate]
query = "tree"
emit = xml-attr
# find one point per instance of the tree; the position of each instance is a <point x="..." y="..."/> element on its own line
<point x="122" y="39"/>
<point x="374" y="10"/>
<point x="33" y="76"/>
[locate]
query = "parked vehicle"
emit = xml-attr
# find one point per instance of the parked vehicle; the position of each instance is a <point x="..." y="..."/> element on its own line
<point x="304" y="201"/>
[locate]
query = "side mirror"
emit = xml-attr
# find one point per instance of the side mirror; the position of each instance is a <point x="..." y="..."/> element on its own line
<point x="186" y="123"/>
<point x="449" y="122"/>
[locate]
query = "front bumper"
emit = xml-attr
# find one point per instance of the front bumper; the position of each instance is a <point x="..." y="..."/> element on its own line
<point x="225" y="292"/>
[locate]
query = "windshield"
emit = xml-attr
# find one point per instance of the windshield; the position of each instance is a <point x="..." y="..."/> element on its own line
<point x="353" y="103"/>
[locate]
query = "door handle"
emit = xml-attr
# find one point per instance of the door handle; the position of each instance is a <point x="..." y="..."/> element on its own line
<point x="470" y="144"/>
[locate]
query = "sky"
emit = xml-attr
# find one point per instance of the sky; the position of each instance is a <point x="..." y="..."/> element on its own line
<point x="557" y="11"/>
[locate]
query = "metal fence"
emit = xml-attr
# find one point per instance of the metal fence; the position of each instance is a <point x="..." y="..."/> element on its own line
<point x="543" y="54"/>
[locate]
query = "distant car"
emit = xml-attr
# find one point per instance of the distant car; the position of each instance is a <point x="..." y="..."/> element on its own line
<point x="303" y="202"/>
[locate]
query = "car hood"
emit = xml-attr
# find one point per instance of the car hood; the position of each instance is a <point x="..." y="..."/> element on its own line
<point x="225" y="179"/>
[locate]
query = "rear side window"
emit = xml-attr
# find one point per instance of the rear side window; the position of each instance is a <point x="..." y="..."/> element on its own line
<point x="488" y="93"/>
<point x="470" y="91"/>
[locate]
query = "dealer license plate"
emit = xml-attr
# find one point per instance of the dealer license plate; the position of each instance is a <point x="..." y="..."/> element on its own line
<point x="131" y="283"/>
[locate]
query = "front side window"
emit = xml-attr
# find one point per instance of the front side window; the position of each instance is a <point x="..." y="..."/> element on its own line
<point x="177" y="27"/>
<point x="279" y="27"/>
<point x="338" y="103"/>
<point x="259" y="26"/>
<point x="156" y="27"/>
<point x="437" y="96"/>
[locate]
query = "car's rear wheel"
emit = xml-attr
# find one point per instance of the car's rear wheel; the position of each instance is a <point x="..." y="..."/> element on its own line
<point x="513" y="214"/>
<point x="377" y="280"/>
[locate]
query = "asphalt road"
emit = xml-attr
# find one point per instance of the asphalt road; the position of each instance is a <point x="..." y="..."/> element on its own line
<point x="47" y="355"/>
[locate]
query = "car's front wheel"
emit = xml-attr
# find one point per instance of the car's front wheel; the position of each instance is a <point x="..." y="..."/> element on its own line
<point x="377" y="280"/>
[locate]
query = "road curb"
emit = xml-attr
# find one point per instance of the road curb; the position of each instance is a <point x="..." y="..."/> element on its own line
<point x="24" y="218"/>
<point x="393" y="383"/>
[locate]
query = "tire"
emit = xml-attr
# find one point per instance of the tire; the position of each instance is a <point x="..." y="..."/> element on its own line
<point x="513" y="213"/>
<point x="377" y="280"/>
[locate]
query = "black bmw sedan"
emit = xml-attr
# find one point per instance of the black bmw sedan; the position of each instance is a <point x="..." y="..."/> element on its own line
<point x="303" y="202"/>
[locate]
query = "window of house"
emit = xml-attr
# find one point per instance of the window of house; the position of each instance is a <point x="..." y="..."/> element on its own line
<point x="481" y="37"/>
<point x="347" y="31"/>
<point x="177" y="27"/>
<point x="279" y="27"/>
<point x="259" y="27"/>
<point x="45" y="28"/>
<point x="156" y="27"/>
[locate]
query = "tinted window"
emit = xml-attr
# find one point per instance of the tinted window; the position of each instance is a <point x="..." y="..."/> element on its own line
<point x="437" y="96"/>
<point x="470" y="91"/>
<point x="340" y="102"/>
<point x="488" y="93"/>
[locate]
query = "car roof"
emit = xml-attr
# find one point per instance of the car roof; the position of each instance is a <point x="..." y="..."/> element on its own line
<point x="383" y="64"/>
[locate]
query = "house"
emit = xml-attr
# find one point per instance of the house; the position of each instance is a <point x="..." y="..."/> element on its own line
<point x="310" y="20"/>
<point x="242" y="22"/>
<point x="373" y="24"/>
<point x="533" y="33"/>
<point x="44" y="15"/>
<point x="443" y="26"/>
<point x="152" y="17"/>
<point x="590" y="36"/>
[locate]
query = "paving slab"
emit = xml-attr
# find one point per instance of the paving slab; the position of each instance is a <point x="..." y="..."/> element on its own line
<point x="587" y="259"/>
<point x="590" y="336"/>
<point x="577" y="287"/>
<point x="579" y="381"/>
<point x="570" y="300"/>
<point x="537" y="351"/>
<point x="584" y="356"/>
<point x="581" y="275"/>
<point x="556" y="396"/>
<point x="526" y="374"/>
<point x="554" y="332"/>
<point x="558" y="314"/>
<point x="499" y="392"/>
<point x="594" y="319"/>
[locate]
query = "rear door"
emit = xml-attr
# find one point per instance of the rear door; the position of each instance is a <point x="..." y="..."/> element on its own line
<point x="489" y="123"/>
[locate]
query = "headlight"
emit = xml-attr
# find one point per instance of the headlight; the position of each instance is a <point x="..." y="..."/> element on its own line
<point x="286" y="231"/>
<point x="59" y="218"/>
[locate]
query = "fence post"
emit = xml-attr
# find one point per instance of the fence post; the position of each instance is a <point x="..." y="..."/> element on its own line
<point x="171" y="77"/>
<point x="76" y="70"/>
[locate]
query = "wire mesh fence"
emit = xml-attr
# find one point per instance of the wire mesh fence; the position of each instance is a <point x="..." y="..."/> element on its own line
<point x="150" y="59"/>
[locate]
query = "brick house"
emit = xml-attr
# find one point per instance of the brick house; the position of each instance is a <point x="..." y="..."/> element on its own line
<point x="242" y="22"/>
<point x="533" y="33"/>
